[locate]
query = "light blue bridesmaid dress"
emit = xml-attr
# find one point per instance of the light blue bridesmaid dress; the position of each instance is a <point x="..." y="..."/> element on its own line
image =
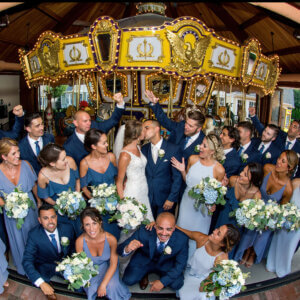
<point x="115" y="289"/>
<point x="18" y="237"/>
<point x="93" y="177"/>
<point x="3" y="266"/>
<point x="53" y="189"/>
<point x="283" y="245"/>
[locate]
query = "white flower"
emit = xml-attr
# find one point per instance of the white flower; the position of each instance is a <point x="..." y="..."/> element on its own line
<point x="64" y="241"/>
<point x="245" y="157"/>
<point x="168" y="250"/>
<point x="161" y="153"/>
<point x="268" y="155"/>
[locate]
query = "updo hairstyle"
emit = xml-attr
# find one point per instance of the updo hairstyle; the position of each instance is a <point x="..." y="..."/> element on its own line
<point x="49" y="154"/>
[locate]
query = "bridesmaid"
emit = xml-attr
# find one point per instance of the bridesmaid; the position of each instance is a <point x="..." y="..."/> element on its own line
<point x="101" y="247"/>
<point x="242" y="187"/>
<point x="284" y="243"/>
<point x="16" y="173"/>
<point x="276" y="186"/>
<point x="98" y="167"/>
<point x="3" y="268"/>
<point x="59" y="173"/>
<point x="211" y="249"/>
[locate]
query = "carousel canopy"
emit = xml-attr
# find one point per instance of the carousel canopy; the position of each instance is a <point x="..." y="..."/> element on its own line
<point x="276" y="32"/>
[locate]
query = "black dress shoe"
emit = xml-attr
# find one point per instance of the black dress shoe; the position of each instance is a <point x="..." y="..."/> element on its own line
<point x="144" y="282"/>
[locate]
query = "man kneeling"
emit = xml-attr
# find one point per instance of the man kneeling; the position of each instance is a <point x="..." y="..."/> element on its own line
<point x="47" y="244"/>
<point x="163" y="251"/>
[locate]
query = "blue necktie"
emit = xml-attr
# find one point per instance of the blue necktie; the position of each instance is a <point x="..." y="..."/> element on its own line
<point x="261" y="150"/>
<point x="160" y="247"/>
<point x="240" y="150"/>
<point x="37" y="147"/>
<point x="287" y="145"/>
<point x="186" y="141"/>
<point x="53" y="241"/>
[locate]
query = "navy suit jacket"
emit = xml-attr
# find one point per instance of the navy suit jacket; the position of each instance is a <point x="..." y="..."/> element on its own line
<point x="14" y="133"/>
<point x="40" y="257"/>
<point x="172" y="265"/>
<point x="253" y="156"/>
<point x="75" y="148"/>
<point x="164" y="181"/>
<point x="232" y="163"/>
<point x="28" y="154"/>
<point x="177" y="135"/>
<point x="273" y="150"/>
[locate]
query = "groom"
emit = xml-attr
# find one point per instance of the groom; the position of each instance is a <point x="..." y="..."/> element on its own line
<point x="163" y="251"/>
<point x="163" y="179"/>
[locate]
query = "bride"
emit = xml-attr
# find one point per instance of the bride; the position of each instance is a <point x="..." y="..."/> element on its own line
<point x="131" y="180"/>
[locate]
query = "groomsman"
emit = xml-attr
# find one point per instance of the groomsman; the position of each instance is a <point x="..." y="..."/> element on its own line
<point x="74" y="145"/>
<point x="247" y="151"/>
<point x="231" y="141"/>
<point x="18" y="125"/>
<point x="47" y="244"/>
<point x="266" y="145"/>
<point x="31" y="145"/>
<point x="163" y="180"/>
<point x="187" y="134"/>
<point x="162" y="250"/>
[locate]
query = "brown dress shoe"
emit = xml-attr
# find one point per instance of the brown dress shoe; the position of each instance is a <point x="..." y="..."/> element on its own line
<point x="51" y="297"/>
<point x="144" y="282"/>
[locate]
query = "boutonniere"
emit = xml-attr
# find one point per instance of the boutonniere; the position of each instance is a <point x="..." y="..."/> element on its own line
<point x="268" y="155"/>
<point x="168" y="250"/>
<point x="244" y="157"/>
<point x="222" y="161"/>
<point x="64" y="241"/>
<point x="161" y="153"/>
<point x="197" y="148"/>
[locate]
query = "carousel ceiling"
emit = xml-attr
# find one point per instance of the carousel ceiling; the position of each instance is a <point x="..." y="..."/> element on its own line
<point x="22" y="24"/>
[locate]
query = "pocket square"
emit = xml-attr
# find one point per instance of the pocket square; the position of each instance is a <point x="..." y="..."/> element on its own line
<point x="165" y="160"/>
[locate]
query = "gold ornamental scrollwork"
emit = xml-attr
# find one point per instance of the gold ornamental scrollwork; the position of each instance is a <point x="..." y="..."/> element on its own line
<point x="48" y="55"/>
<point x="186" y="58"/>
<point x="223" y="59"/>
<point x="144" y="52"/>
<point x="75" y="54"/>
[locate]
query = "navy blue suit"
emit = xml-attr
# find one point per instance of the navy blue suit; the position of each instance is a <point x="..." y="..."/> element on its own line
<point x="146" y="259"/>
<point x="273" y="150"/>
<point x="253" y="156"/>
<point x="40" y="257"/>
<point x="163" y="180"/>
<point x="28" y="154"/>
<point x="177" y="135"/>
<point x="232" y="163"/>
<point x="14" y="133"/>
<point x="75" y="148"/>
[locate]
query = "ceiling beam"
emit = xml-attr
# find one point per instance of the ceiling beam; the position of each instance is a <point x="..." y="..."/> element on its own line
<point x="285" y="51"/>
<point x="71" y="16"/>
<point x="228" y="20"/>
<point x="18" y="8"/>
<point x="253" y="20"/>
<point x="49" y="13"/>
<point x="2" y="40"/>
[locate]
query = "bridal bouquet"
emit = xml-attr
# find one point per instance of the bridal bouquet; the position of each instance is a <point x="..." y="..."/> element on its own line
<point x="130" y="214"/>
<point x="289" y="217"/>
<point x="70" y="203"/>
<point x="208" y="192"/>
<point x="225" y="280"/>
<point x="17" y="205"/>
<point x="255" y="214"/>
<point x="78" y="270"/>
<point x="105" y="198"/>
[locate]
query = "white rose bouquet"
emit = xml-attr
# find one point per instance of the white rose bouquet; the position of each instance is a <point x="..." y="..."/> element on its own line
<point x="255" y="214"/>
<point x="78" y="270"/>
<point x="130" y="214"/>
<point x="208" y="192"/>
<point x="70" y="203"/>
<point x="289" y="218"/>
<point x="105" y="198"/>
<point x="17" y="205"/>
<point x="225" y="280"/>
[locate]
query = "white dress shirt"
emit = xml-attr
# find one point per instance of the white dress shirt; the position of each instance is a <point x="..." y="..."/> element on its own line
<point x="226" y="151"/>
<point x="267" y="145"/>
<point x="245" y="147"/>
<point x="40" y="280"/>
<point x="155" y="149"/>
<point x="192" y="139"/>
<point x="80" y="136"/>
<point x="292" y="142"/>
<point x="33" y="145"/>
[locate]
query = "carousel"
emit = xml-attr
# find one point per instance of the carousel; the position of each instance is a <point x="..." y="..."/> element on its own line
<point x="184" y="63"/>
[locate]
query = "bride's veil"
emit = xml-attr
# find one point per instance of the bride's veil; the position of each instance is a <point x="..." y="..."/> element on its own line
<point x="119" y="142"/>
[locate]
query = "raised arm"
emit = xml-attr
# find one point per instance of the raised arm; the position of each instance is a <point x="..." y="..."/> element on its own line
<point x="193" y="235"/>
<point x="256" y="123"/>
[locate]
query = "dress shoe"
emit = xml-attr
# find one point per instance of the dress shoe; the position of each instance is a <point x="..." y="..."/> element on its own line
<point x="51" y="297"/>
<point x="144" y="282"/>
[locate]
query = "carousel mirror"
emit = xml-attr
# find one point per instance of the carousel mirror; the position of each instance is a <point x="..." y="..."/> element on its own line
<point x="104" y="43"/>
